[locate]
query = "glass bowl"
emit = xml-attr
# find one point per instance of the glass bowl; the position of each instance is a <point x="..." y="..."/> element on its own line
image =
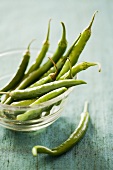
<point x="51" y="110"/>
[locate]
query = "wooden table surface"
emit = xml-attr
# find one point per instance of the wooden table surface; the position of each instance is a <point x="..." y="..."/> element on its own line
<point x="22" y="21"/>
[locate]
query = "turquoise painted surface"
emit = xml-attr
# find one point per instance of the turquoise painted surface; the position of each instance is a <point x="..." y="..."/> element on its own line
<point x="22" y="21"/>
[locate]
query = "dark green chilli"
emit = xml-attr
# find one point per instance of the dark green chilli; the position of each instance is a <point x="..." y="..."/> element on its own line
<point x="20" y="72"/>
<point x="70" y="142"/>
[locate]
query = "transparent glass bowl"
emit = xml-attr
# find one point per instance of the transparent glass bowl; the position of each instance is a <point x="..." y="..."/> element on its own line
<point x="51" y="110"/>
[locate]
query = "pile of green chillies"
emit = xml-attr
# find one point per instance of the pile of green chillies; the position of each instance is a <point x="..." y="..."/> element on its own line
<point x="37" y="83"/>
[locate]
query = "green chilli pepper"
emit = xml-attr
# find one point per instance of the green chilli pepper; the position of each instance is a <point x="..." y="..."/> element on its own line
<point x="35" y="75"/>
<point x="77" y="68"/>
<point x="41" y="54"/>
<point x="74" y="138"/>
<point x="34" y="113"/>
<point x="38" y="91"/>
<point x="78" y="48"/>
<point x="20" y="72"/>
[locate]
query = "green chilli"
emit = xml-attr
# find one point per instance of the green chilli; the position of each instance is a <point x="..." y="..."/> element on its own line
<point x="20" y="72"/>
<point x="41" y="54"/>
<point x="74" y="138"/>
<point x="77" y="68"/>
<point x="38" y="91"/>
